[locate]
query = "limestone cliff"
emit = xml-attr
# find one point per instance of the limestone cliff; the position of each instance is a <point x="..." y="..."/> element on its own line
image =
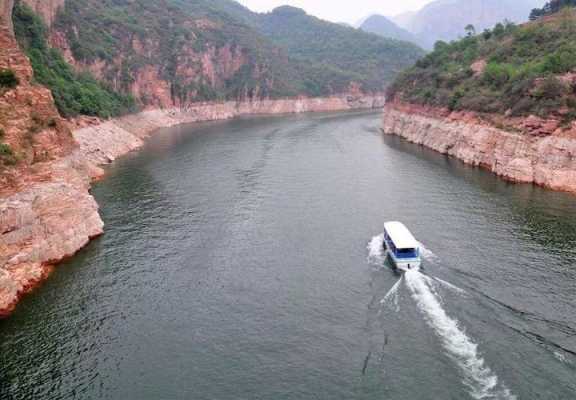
<point x="523" y="155"/>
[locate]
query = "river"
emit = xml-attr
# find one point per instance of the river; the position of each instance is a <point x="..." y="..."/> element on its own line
<point x="241" y="260"/>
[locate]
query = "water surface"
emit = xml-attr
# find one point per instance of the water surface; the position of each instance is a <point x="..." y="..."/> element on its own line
<point x="235" y="266"/>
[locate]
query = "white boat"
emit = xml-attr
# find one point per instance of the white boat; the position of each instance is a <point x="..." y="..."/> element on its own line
<point x="401" y="246"/>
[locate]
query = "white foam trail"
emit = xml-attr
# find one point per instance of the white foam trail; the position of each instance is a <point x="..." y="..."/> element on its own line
<point x="392" y="292"/>
<point x="479" y="378"/>
<point x="450" y="286"/>
<point x="376" y="249"/>
<point x="561" y="357"/>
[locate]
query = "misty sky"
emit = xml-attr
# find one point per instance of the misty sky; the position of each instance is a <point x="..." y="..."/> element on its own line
<point x="341" y="10"/>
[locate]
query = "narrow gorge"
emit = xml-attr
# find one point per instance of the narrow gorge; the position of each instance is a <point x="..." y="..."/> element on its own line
<point x="46" y="210"/>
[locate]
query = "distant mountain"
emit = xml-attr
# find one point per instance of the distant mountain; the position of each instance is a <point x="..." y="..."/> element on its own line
<point x="384" y="27"/>
<point x="446" y="19"/>
<point x="335" y="55"/>
<point x="404" y="20"/>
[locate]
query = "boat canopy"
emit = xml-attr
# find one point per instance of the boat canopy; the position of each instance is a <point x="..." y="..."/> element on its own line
<point x="400" y="236"/>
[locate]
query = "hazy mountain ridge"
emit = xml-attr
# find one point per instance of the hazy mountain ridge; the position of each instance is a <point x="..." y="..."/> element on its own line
<point x="446" y="19"/>
<point x="383" y="26"/>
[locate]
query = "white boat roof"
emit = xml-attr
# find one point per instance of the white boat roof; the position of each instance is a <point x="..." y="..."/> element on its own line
<point x="401" y="236"/>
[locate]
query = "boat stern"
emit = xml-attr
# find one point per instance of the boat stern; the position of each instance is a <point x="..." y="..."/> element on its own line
<point x="408" y="265"/>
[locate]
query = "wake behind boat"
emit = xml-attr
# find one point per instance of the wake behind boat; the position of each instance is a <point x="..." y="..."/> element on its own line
<point x="401" y="246"/>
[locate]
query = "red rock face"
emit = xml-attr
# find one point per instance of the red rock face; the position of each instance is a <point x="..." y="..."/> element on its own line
<point x="149" y="85"/>
<point x="46" y="211"/>
<point x="28" y="117"/>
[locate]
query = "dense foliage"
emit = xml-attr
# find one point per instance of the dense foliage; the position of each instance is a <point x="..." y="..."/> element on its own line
<point x="550" y="8"/>
<point x="107" y="29"/>
<point x="7" y="156"/>
<point x="333" y="55"/>
<point x="8" y="79"/>
<point x="74" y="93"/>
<point x="286" y="55"/>
<point x="510" y="69"/>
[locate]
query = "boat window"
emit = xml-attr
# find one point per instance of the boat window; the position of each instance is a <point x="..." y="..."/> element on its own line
<point x="407" y="253"/>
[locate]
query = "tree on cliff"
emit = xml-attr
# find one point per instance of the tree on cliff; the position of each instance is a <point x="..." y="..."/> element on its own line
<point x="8" y="79"/>
<point x="513" y="70"/>
<point x="550" y="8"/>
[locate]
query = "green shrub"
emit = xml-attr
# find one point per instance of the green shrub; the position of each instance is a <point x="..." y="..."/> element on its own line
<point x="7" y="155"/>
<point x="523" y="63"/>
<point x="550" y="88"/>
<point x="73" y="93"/>
<point x="8" y="79"/>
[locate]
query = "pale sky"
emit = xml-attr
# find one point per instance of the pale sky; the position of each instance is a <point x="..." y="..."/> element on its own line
<point x="340" y="10"/>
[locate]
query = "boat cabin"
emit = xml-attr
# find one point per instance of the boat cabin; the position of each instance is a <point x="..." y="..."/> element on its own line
<point x="402" y="247"/>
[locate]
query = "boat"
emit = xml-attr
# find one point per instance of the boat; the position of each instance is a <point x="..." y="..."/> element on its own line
<point x="401" y="246"/>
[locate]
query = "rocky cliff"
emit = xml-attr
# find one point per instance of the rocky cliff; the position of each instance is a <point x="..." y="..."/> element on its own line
<point x="46" y="212"/>
<point x="528" y="154"/>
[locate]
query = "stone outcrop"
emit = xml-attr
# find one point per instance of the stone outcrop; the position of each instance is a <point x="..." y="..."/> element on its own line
<point x="46" y="212"/>
<point x="527" y="156"/>
<point x="43" y="224"/>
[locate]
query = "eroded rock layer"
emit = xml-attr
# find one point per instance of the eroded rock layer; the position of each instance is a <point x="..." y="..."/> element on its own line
<point x="520" y="156"/>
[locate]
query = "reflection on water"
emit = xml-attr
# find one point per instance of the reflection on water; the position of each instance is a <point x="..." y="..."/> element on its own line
<point x="234" y="266"/>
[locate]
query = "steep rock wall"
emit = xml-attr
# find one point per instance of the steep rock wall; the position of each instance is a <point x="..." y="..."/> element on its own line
<point x="29" y="120"/>
<point x="549" y="161"/>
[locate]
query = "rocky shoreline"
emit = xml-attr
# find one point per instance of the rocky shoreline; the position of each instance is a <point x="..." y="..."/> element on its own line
<point x="53" y="215"/>
<point x="524" y="154"/>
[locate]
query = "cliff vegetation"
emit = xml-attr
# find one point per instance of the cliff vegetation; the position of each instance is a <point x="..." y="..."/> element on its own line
<point x="513" y="70"/>
<point x="176" y="52"/>
<point x="331" y="56"/>
<point x="74" y="93"/>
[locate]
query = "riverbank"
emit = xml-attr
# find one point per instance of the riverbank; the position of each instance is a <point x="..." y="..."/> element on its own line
<point x="52" y="215"/>
<point x="524" y="154"/>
